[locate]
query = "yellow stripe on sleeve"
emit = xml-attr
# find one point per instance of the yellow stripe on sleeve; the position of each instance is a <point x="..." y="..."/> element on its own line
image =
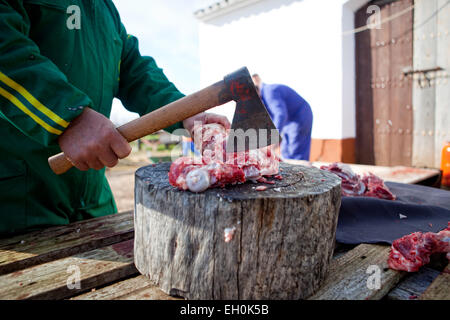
<point x="21" y="106"/>
<point x="29" y="97"/>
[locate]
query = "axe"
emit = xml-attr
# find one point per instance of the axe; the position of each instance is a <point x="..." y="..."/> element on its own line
<point x="250" y="116"/>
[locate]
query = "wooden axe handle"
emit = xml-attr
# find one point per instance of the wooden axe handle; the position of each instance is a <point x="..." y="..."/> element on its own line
<point x="210" y="97"/>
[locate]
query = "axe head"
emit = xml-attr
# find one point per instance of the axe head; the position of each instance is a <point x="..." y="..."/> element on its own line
<point x="252" y="126"/>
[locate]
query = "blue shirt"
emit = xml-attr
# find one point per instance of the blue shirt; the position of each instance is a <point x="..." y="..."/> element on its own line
<point x="292" y="116"/>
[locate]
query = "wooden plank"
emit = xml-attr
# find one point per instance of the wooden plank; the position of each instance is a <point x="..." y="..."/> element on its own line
<point x="54" y="243"/>
<point x="341" y="249"/>
<point x="348" y="278"/>
<point x="440" y="288"/>
<point x="399" y="174"/>
<point x="126" y="289"/>
<point x="148" y="293"/>
<point x="364" y="143"/>
<point x="400" y="44"/>
<point x="381" y="66"/>
<point x="136" y="288"/>
<point x="410" y="175"/>
<point x="414" y="285"/>
<point x="50" y="280"/>
<point x="115" y="290"/>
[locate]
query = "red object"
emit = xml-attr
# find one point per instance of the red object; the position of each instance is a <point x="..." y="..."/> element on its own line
<point x="445" y="165"/>
<point x="216" y="168"/>
<point x="240" y="90"/>
<point x="264" y="180"/>
<point x="216" y="174"/>
<point x="376" y="188"/>
<point x="354" y="186"/>
<point x="413" y="251"/>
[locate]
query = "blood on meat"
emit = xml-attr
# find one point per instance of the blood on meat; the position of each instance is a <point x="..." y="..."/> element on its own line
<point x="216" y="168"/>
<point x="413" y="251"/>
<point x="353" y="185"/>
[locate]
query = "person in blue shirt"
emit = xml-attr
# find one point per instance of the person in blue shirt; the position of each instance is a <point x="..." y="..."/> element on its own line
<point x="292" y="116"/>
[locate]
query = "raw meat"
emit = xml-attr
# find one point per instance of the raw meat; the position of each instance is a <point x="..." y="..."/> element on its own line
<point x="376" y="188"/>
<point x="413" y="251"/>
<point x="354" y="186"/>
<point x="188" y="174"/>
<point x="210" y="141"/>
<point x="216" y="168"/>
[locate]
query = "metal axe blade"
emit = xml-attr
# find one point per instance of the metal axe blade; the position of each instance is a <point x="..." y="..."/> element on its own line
<point x="252" y="127"/>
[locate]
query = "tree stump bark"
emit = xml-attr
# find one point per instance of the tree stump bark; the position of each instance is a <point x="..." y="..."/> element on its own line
<point x="281" y="247"/>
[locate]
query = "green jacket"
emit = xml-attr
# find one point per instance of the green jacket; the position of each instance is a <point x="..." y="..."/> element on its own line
<point x="48" y="72"/>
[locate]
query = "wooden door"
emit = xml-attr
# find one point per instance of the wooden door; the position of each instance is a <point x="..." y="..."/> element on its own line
<point x="384" y="115"/>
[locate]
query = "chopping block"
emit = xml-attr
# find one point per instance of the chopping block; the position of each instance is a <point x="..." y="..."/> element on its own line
<point x="236" y="242"/>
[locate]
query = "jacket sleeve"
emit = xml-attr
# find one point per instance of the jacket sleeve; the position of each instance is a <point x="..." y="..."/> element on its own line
<point x="35" y="95"/>
<point x="278" y="108"/>
<point x="143" y="87"/>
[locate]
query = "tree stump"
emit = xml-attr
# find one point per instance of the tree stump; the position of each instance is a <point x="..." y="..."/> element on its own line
<point x="281" y="246"/>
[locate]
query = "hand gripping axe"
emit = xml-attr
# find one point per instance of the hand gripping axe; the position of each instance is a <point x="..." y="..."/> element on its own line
<point x="252" y="126"/>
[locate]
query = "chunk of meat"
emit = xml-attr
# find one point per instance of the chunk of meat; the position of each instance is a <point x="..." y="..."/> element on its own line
<point x="413" y="251"/>
<point x="256" y="163"/>
<point x="351" y="182"/>
<point x="197" y="176"/>
<point x="354" y="186"/>
<point x="210" y="140"/>
<point x="376" y="188"/>
<point x="216" y="167"/>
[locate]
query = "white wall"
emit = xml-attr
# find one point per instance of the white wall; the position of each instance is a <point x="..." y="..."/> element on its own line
<point x="348" y="72"/>
<point x="297" y="43"/>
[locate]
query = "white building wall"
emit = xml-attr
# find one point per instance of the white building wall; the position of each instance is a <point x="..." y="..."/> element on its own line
<point x="297" y="43"/>
<point x="348" y="72"/>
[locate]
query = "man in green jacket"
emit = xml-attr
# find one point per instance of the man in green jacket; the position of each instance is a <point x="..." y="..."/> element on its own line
<point x="61" y="64"/>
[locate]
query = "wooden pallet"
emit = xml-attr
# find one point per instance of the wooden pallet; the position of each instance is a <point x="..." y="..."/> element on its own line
<point x="42" y="265"/>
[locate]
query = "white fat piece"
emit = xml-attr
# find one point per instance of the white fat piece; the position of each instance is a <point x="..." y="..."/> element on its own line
<point x="252" y="173"/>
<point x="198" y="180"/>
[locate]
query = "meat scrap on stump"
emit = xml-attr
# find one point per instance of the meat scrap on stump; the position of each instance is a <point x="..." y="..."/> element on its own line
<point x="413" y="251"/>
<point x="353" y="185"/>
<point x="216" y="168"/>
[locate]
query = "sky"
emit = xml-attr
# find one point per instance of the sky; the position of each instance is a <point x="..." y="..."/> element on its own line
<point x="167" y="31"/>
